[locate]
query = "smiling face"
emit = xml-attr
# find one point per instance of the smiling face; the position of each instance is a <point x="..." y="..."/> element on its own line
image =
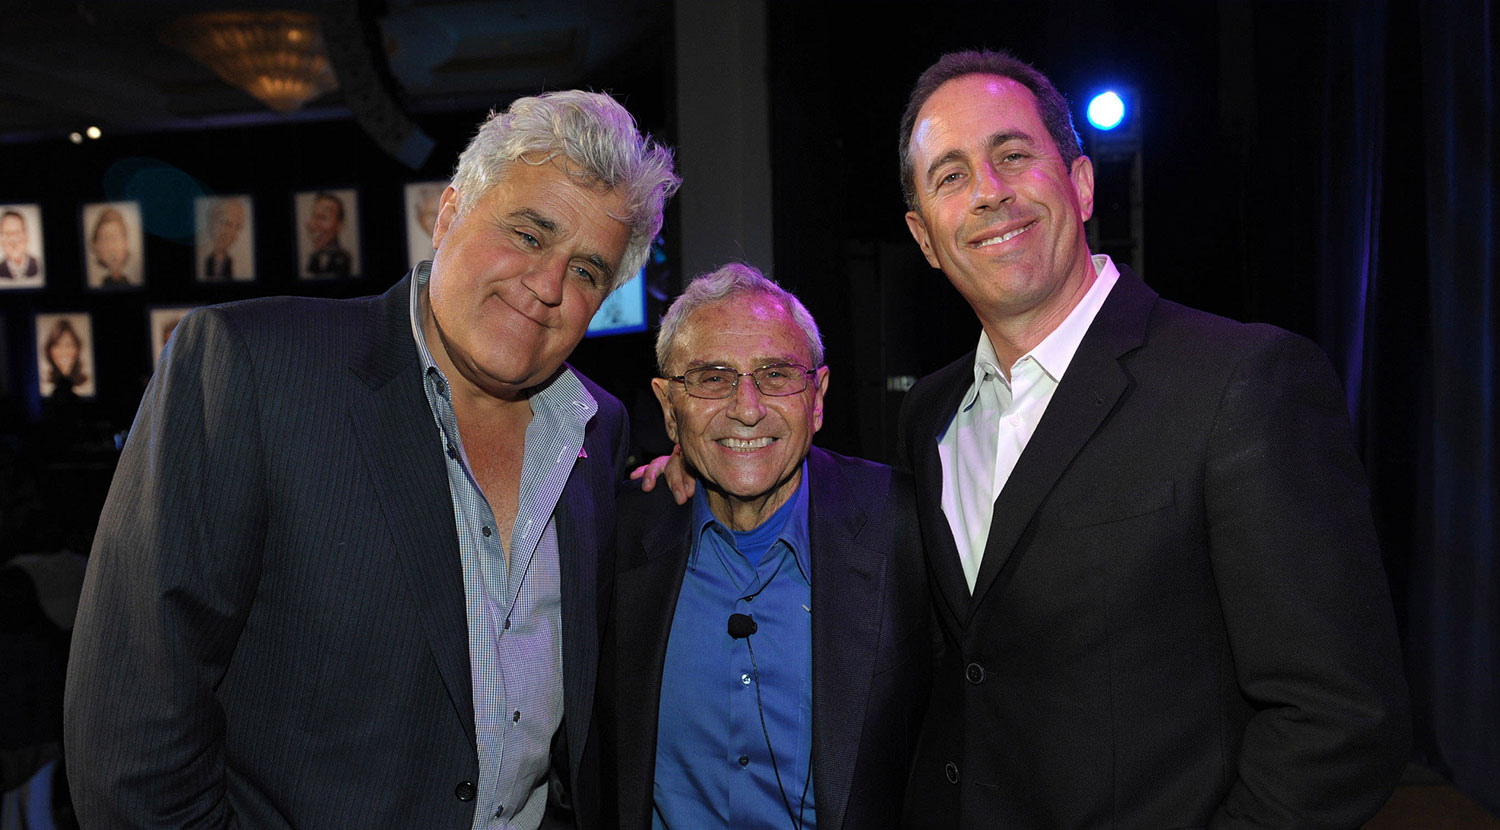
<point x="748" y="448"/>
<point x="224" y="225"/>
<point x="999" y="212"/>
<point x="110" y="245"/>
<point x="13" y="237"/>
<point x="518" y="276"/>
<point x="63" y="353"/>
<point x="325" y="222"/>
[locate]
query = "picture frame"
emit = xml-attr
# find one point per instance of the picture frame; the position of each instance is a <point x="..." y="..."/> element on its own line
<point x="224" y="238"/>
<point x="327" y="231"/>
<point x="113" y="246"/>
<point x="420" y="202"/>
<point x="161" y="321"/>
<point x="65" y="354"/>
<point x="23" y="261"/>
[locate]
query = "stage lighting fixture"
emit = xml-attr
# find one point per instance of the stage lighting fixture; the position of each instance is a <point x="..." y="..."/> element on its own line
<point x="1106" y="111"/>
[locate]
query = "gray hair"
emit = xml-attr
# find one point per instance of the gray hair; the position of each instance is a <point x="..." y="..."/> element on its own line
<point x="733" y="280"/>
<point x="599" y="137"/>
<point x="1051" y="106"/>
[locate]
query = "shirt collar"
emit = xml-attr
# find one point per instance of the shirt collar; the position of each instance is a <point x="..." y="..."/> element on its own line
<point x="986" y="367"/>
<point x="1056" y="350"/>
<point x="561" y="397"/>
<point x="794" y="532"/>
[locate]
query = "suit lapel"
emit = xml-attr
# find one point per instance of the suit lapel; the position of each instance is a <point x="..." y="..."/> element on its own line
<point x="589" y="491"/>
<point x="846" y="594"/>
<point x="391" y="416"/>
<point x="1094" y="383"/>
<point x="646" y="593"/>
<point x="930" y="414"/>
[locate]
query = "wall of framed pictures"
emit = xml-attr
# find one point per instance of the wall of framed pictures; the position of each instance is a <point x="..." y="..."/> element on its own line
<point x="106" y="244"/>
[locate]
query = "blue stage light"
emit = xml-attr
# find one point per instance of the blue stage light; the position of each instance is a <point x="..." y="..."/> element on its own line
<point x="1106" y="111"/>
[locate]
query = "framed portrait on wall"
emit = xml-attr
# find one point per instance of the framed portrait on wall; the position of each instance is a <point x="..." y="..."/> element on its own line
<point x="224" y="230"/>
<point x="113" y="245"/>
<point x="65" y="354"/>
<point x="327" y="233"/>
<point x="21" y="263"/>
<point x="422" y="199"/>
<point x="160" y="323"/>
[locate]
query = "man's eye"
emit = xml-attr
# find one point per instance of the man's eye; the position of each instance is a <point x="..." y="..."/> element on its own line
<point x="586" y="275"/>
<point x="950" y="177"/>
<point x="774" y="373"/>
<point x="527" y="239"/>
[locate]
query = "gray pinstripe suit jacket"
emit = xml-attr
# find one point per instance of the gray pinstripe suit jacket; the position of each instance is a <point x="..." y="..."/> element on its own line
<point x="272" y="631"/>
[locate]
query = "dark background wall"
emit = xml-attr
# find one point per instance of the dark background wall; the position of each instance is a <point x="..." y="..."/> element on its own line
<point x="1292" y="154"/>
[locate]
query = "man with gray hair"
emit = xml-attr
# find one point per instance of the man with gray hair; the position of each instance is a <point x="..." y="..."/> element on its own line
<point x="768" y="652"/>
<point x="348" y="571"/>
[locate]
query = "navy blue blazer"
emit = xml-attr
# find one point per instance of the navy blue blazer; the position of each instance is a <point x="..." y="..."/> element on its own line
<point x="871" y="640"/>
<point x="1181" y="618"/>
<point x="272" y="631"/>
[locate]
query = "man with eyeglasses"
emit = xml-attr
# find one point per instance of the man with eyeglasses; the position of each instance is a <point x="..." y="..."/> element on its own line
<point x="768" y="651"/>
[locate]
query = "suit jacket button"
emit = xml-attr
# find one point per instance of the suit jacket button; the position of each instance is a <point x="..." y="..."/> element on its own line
<point x="465" y="791"/>
<point x="950" y="770"/>
<point x="975" y="673"/>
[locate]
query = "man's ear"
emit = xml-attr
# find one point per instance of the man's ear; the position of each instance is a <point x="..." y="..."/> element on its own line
<point x="447" y="212"/>
<point x="820" y="381"/>
<point x="662" y="388"/>
<point x="918" y="228"/>
<point x="1082" y="175"/>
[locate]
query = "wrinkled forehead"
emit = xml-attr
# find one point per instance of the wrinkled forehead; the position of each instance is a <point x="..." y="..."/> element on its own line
<point x="749" y="329"/>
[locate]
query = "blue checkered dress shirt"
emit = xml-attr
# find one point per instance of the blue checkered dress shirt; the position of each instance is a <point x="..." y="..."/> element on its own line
<point x="515" y="612"/>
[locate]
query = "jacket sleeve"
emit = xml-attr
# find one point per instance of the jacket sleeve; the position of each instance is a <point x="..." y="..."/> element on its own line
<point x="174" y="568"/>
<point x="1304" y="597"/>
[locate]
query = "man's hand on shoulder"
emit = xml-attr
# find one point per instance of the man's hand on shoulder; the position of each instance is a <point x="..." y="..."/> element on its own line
<point x="679" y="481"/>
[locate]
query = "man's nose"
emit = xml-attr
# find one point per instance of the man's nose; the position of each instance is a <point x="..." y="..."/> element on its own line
<point x="546" y="279"/>
<point x="990" y="189"/>
<point x="745" y="404"/>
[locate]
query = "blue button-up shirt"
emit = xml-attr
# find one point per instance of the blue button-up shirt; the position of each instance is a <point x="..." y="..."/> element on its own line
<point x="514" y="611"/>
<point x="713" y="769"/>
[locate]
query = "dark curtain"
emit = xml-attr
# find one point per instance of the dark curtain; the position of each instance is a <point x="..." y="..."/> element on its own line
<point x="1409" y="313"/>
<point x="1454" y="631"/>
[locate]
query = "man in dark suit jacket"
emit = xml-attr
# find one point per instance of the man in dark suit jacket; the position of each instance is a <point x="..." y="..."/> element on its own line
<point x="806" y="560"/>
<point x="325" y="224"/>
<point x="226" y="218"/>
<point x="1149" y="535"/>
<point x="323" y="593"/>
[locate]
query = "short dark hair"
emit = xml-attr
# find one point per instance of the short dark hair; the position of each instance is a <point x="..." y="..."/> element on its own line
<point x="337" y="202"/>
<point x="1050" y="104"/>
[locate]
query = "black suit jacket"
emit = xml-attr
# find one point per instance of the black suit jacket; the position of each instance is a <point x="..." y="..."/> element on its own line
<point x="30" y="269"/>
<point x="871" y="645"/>
<point x="272" y="631"/>
<point x="213" y="270"/>
<point x="1181" y="618"/>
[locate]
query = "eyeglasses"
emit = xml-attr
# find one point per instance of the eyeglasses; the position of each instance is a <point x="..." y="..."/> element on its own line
<point x="719" y="382"/>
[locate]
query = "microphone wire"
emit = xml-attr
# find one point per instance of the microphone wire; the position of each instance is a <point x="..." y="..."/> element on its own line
<point x="785" y="802"/>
